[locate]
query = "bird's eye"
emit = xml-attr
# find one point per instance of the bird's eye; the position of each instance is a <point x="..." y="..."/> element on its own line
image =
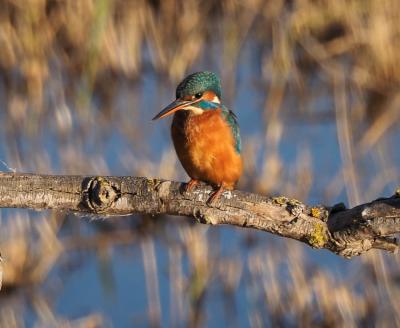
<point x="198" y="95"/>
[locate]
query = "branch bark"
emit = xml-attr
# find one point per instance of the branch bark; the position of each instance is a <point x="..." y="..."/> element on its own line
<point x="346" y="232"/>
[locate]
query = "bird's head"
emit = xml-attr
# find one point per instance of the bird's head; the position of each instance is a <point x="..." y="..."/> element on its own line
<point x="197" y="93"/>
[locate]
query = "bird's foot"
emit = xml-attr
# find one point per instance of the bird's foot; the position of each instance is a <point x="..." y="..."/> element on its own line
<point x="190" y="185"/>
<point x="215" y="196"/>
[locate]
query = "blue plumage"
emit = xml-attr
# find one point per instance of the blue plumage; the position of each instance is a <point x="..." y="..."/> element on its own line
<point x="231" y="119"/>
<point x="207" y="105"/>
<point x="199" y="82"/>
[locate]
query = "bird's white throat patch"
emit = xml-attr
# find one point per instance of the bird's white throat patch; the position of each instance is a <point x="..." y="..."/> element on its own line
<point x="198" y="111"/>
<point x="195" y="110"/>
<point x="216" y="100"/>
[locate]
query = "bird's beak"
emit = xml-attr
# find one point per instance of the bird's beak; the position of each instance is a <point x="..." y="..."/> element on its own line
<point x="174" y="107"/>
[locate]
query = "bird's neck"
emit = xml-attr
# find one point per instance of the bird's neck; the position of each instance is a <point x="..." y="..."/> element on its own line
<point x="185" y="119"/>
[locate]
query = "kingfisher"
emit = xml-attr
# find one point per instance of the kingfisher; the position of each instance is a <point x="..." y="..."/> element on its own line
<point x="205" y="134"/>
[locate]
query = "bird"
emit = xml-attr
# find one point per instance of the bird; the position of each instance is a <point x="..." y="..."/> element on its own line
<point x="205" y="134"/>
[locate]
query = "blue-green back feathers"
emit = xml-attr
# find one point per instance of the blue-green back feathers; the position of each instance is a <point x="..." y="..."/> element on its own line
<point x="231" y="119"/>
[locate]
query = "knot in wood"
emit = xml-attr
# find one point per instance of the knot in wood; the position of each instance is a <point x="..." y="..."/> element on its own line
<point x="101" y="194"/>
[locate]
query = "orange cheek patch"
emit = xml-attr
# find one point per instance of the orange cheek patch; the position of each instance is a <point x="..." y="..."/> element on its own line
<point x="209" y="95"/>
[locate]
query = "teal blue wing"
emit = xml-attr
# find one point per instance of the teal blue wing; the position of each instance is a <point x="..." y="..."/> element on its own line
<point x="231" y="119"/>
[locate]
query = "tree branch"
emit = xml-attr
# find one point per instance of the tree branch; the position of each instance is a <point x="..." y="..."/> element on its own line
<point x="346" y="232"/>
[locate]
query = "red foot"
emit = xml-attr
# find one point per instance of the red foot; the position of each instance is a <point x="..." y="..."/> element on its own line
<point x="190" y="185"/>
<point x="215" y="195"/>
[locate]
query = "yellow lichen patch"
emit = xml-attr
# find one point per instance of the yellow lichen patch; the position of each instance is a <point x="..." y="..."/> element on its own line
<point x="318" y="236"/>
<point x="209" y="219"/>
<point x="294" y="202"/>
<point x="315" y="212"/>
<point x="280" y="200"/>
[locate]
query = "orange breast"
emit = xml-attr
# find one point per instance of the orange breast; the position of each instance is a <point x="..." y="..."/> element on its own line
<point x="205" y="146"/>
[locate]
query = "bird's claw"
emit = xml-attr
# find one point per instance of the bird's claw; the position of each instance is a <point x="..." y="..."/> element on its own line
<point x="215" y="196"/>
<point x="188" y="187"/>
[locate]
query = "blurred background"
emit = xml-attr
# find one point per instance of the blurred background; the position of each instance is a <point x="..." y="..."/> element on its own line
<point x="315" y="85"/>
